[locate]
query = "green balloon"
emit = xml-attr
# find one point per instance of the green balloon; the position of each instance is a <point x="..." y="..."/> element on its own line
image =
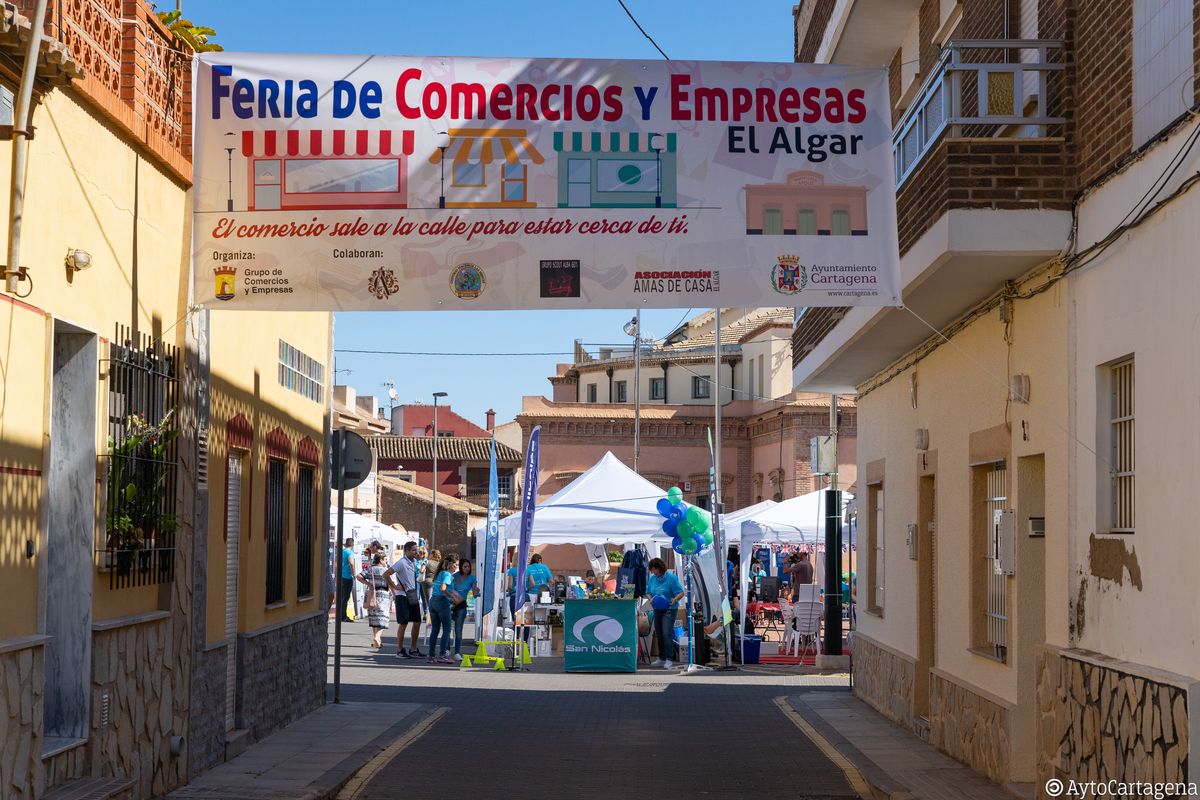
<point x="708" y="538"/>
<point x="695" y="517"/>
<point x="684" y="529"/>
<point x="703" y="524"/>
<point x="688" y="545"/>
<point x="675" y="495"/>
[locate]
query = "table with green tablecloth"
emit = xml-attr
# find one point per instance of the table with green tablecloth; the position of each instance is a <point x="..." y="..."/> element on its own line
<point x="600" y="636"/>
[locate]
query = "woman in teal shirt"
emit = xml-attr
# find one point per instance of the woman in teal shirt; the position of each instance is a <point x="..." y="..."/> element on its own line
<point x="440" y="617"/>
<point x="464" y="584"/>
<point x="665" y="583"/>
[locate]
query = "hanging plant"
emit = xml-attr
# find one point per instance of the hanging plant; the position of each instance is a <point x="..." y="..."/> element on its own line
<point x="137" y="485"/>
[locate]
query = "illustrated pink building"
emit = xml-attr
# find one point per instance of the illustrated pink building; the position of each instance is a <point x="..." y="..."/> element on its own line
<point x="327" y="169"/>
<point x="805" y="205"/>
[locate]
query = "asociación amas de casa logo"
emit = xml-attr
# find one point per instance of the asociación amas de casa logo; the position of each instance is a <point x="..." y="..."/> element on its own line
<point x="789" y="276"/>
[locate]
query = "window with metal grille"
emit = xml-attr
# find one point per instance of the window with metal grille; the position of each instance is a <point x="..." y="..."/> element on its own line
<point x="305" y="530"/>
<point x="658" y="388"/>
<point x="138" y="548"/>
<point x="1121" y="448"/>
<point x="276" y="480"/>
<point x="875" y="548"/>
<point x="700" y="387"/>
<point x="591" y="392"/>
<point x="990" y="590"/>
<point x="621" y="392"/>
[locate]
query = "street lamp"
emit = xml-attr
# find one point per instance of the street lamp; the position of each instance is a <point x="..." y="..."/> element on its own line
<point x="657" y="171"/>
<point x="433" y="527"/>
<point x="442" y="164"/>
<point x="634" y="328"/>
<point x="229" y="159"/>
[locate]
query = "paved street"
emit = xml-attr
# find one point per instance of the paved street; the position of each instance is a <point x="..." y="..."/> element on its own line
<point x="649" y="734"/>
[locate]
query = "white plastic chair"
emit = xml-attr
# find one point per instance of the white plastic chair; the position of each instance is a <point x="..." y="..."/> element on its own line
<point x="788" y="614"/>
<point x="808" y="626"/>
<point x="807" y="593"/>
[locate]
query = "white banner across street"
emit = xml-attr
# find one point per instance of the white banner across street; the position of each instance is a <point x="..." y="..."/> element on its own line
<point x="388" y="183"/>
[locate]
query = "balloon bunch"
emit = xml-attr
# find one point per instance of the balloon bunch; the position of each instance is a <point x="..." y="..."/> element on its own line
<point x="688" y="526"/>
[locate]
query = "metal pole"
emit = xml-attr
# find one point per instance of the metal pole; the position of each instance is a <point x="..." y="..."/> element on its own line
<point x="637" y="390"/>
<point x="21" y="114"/>
<point x="433" y="527"/>
<point x="229" y="160"/>
<point x="340" y="472"/>
<point x="833" y="550"/>
<point x="718" y="504"/>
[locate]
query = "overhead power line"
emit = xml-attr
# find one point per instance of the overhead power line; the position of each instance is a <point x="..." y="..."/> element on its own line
<point x="643" y="30"/>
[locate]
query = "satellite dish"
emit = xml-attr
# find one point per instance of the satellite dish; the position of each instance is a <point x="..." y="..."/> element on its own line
<point x="631" y="327"/>
<point x="392" y="393"/>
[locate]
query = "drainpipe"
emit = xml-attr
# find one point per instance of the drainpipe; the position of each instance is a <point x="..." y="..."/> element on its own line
<point x="16" y="202"/>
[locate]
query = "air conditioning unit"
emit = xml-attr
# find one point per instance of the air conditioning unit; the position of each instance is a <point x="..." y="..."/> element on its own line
<point x="1004" y="540"/>
<point x="822" y="459"/>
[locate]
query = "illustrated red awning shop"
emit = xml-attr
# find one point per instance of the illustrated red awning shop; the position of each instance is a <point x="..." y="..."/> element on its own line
<point x="327" y="169"/>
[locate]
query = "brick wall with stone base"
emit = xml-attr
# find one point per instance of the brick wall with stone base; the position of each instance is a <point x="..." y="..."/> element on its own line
<point x="22" y="678"/>
<point x="282" y="672"/>
<point x="883" y="678"/>
<point x="1101" y="719"/>
<point x="969" y="725"/>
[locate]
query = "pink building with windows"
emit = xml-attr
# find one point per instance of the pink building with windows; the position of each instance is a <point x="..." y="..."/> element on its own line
<point x="804" y="205"/>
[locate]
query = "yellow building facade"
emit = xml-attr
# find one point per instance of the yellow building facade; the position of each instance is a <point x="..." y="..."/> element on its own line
<point x="116" y="402"/>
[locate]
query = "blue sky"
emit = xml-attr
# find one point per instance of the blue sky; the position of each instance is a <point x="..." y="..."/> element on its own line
<point x="752" y="30"/>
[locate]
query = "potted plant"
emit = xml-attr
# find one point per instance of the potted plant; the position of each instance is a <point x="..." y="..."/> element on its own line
<point x="137" y="488"/>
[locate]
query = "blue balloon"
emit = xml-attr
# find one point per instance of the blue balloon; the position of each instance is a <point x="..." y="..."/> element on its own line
<point x="669" y="526"/>
<point x="700" y="543"/>
<point x="664" y="507"/>
<point x="678" y="513"/>
<point x="660" y="602"/>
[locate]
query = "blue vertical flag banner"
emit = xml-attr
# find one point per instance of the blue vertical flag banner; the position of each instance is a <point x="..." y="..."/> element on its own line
<point x="492" y="542"/>
<point x="528" y="503"/>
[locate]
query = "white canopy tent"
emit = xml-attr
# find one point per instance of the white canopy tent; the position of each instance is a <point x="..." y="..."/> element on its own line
<point x="608" y="504"/>
<point x="799" y="520"/>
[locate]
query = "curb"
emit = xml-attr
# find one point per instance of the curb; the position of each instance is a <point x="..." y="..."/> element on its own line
<point x="872" y="782"/>
<point x="332" y="782"/>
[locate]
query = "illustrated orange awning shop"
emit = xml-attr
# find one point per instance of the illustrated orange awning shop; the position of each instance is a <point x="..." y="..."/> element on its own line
<point x="327" y="169"/>
<point x="463" y="143"/>
<point x="488" y="167"/>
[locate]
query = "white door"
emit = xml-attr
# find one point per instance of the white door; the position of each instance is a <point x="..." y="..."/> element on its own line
<point x="233" y="535"/>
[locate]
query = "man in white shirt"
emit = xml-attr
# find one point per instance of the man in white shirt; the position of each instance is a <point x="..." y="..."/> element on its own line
<point x="408" y="606"/>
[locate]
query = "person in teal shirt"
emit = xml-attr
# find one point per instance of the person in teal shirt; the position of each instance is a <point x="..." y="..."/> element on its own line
<point x="440" y="617"/>
<point x="462" y="586"/>
<point x="665" y="583"/>
<point x="537" y="574"/>
<point x="346" y="580"/>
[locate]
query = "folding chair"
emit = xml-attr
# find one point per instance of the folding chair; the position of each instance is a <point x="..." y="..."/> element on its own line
<point x="808" y="625"/>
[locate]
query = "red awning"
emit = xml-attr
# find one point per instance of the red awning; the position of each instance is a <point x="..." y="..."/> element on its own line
<point x="278" y="144"/>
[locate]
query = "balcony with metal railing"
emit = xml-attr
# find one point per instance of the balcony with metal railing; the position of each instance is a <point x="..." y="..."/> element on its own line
<point x="971" y="94"/>
<point x="984" y="185"/>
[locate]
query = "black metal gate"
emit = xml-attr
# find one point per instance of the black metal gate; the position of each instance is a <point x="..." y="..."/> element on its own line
<point x="138" y="547"/>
